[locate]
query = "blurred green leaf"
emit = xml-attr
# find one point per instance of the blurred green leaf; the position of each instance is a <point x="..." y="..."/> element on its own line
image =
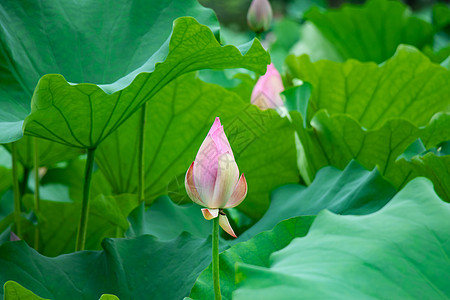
<point x="371" y="32"/>
<point x="315" y="45"/>
<point x="297" y="8"/>
<point x="441" y="16"/>
<point x="440" y="50"/>
<point x="287" y="33"/>
<point x="399" y="252"/>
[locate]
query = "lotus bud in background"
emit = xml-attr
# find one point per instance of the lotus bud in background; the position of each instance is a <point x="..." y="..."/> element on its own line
<point x="213" y="181"/>
<point x="266" y="93"/>
<point x="13" y="237"/>
<point x="259" y="16"/>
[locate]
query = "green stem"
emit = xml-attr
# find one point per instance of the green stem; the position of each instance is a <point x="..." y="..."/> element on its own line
<point x="15" y="179"/>
<point x="24" y="184"/>
<point x="215" y="259"/>
<point x="140" y="211"/>
<point x="36" y="191"/>
<point x="82" y="228"/>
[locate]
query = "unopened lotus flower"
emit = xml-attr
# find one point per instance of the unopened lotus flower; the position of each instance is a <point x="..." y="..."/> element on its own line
<point x="266" y="93"/>
<point x="259" y="16"/>
<point x="213" y="179"/>
<point x="13" y="237"/>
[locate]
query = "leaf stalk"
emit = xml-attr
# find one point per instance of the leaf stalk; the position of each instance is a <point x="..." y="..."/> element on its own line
<point x="82" y="228"/>
<point x="140" y="211"/>
<point x="15" y="182"/>
<point x="37" y="203"/>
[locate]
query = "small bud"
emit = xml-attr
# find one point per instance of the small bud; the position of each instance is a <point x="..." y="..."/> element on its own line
<point x="259" y="16"/>
<point x="13" y="237"/>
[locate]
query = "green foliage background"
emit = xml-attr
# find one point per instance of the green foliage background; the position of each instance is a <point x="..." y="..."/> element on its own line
<point x="348" y="189"/>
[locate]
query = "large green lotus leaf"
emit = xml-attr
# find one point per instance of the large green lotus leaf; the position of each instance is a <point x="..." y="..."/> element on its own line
<point x="82" y="115"/>
<point x="63" y="277"/>
<point x="336" y="140"/>
<point x="92" y="42"/>
<point x="353" y="190"/>
<point x="399" y="252"/>
<point x="58" y="222"/>
<point x="407" y="86"/>
<point x="49" y="152"/>
<point x="178" y="122"/>
<point x="371" y="32"/>
<point x="138" y="268"/>
<point x="366" y="116"/>
<point x="14" y="291"/>
<point x="255" y="252"/>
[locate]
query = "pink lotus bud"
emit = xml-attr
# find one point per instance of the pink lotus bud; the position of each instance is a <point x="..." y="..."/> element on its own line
<point x="213" y="179"/>
<point x="266" y="93"/>
<point x="259" y="16"/>
<point x="13" y="237"/>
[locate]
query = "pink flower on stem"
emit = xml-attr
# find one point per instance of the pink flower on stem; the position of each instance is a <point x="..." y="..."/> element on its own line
<point x="266" y="93"/>
<point x="213" y="179"/>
